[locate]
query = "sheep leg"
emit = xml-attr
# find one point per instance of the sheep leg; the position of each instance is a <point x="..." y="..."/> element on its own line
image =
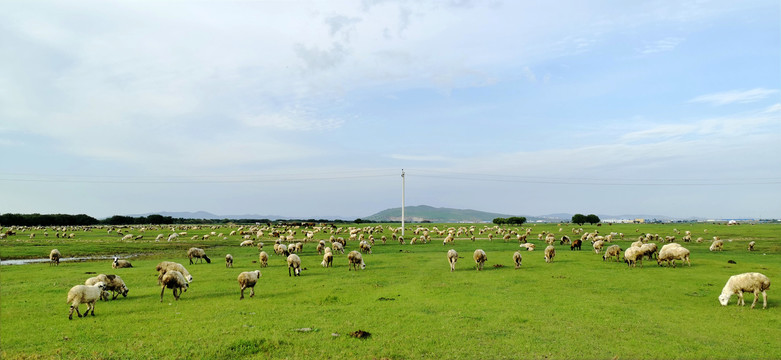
<point x="176" y="295"/>
<point x="252" y="291"/>
<point x="90" y="308"/>
<point x="242" y="293"/>
<point x="161" y="293"/>
<point x="70" y="314"/>
<point x="740" y="298"/>
<point x="756" y="297"/>
<point x="764" y="299"/>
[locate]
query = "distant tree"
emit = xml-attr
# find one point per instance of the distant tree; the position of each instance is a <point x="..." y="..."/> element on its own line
<point x="499" y="221"/>
<point x="579" y="219"/>
<point x="592" y="219"/>
<point x="516" y="220"/>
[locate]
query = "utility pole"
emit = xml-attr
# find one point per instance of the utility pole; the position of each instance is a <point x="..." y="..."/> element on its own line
<point x="402" y="202"/>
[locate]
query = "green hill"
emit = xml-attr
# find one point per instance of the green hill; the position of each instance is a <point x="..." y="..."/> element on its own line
<point x="438" y="215"/>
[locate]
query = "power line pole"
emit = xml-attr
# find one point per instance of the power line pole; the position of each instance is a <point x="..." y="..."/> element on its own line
<point x="402" y="202"/>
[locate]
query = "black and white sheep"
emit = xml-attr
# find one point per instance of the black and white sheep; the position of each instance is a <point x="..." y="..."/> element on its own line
<point x="228" y="261"/>
<point x="354" y="259"/>
<point x="175" y="281"/>
<point x="452" y="257"/>
<point x="84" y="294"/>
<point x="198" y="253"/>
<point x="294" y="264"/>
<point x="119" y="264"/>
<point x="248" y="279"/>
<point x="747" y="282"/>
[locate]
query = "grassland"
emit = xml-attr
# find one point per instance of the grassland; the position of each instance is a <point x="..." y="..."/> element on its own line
<point x="577" y="307"/>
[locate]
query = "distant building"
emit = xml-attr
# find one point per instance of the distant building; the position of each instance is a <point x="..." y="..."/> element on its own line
<point x="639" y="221"/>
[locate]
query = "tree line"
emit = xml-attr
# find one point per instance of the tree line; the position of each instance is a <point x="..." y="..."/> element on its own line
<point x="86" y="220"/>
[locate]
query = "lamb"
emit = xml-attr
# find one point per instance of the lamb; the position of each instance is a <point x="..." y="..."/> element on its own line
<point x="228" y="261"/>
<point x="354" y="259"/>
<point x="112" y="283"/>
<point x="198" y="253"/>
<point x="517" y="259"/>
<point x="480" y="258"/>
<point x="294" y="263"/>
<point x="737" y="284"/>
<point x="716" y="245"/>
<point x="84" y="294"/>
<point x="452" y="257"/>
<point x="263" y="257"/>
<point x="165" y="266"/>
<point x="672" y="253"/>
<point x="173" y="280"/>
<point x="54" y="257"/>
<point x="528" y="246"/>
<point x="550" y="253"/>
<point x="120" y="264"/>
<point x="248" y="279"/>
<point x="612" y="250"/>
<point x="632" y="255"/>
<point x="751" y="246"/>
<point x="328" y="258"/>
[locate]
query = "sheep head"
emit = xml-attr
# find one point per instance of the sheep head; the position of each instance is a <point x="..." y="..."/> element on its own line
<point x="724" y="299"/>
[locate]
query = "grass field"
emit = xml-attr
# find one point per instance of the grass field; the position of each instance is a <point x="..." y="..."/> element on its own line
<point x="577" y="307"/>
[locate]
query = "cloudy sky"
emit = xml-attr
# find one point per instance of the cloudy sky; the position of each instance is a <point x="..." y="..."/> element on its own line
<point x="312" y="108"/>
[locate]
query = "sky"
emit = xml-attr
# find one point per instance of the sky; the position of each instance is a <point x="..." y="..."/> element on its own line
<point x="313" y="108"/>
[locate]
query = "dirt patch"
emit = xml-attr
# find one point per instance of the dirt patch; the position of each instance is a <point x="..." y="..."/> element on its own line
<point x="385" y="299"/>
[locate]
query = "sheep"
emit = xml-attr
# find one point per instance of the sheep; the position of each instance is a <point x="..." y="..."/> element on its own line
<point x="294" y="263"/>
<point x="480" y="258"/>
<point x="672" y="253"/>
<point x="716" y="245"/>
<point x="598" y="245"/>
<point x="751" y="246"/>
<point x="248" y="279"/>
<point x="120" y="264"/>
<point x="228" y="261"/>
<point x="565" y="240"/>
<point x="260" y="246"/>
<point x="165" y="266"/>
<point x="517" y="259"/>
<point x="452" y="257"/>
<point x="754" y="282"/>
<point x="173" y="280"/>
<point x="550" y="253"/>
<point x="365" y="247"/>
<point x="112" y="283"/>
<point x="197" y="253"/>
<point x="631" y="255"/>
<point x="328" y="258"/>
<point x="263" y="257"/>
<point x="612" y="250"/>
<point x="576" y="244"/>
<point x="354" y="259"/>
<point x="247" y="243"/>
<point x="528" y="246"/>
<point x="649" y="250"/>
<point x="54" y="257"/>
<point x="320" y="247"/>
<point x="338" y="247"/>
<point x="84" y="294"/>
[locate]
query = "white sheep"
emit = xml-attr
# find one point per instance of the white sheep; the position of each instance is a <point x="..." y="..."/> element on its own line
<point x="365" y="247"/>
<point x="54" y="257"/>
<point x="328" y="258"/>
<point x="354" y="259"/>
<point x="631" y="255"/>
<point x="716" y="245"/>
<point x="119" y="264"/>
<point x="649" y="249"/>
<point x="550" y="253"/>
<point x="528" y="246"/>
<point x="338" y="247"/>
<point x="452" y="257"/>
<point x="517" y="259"/>
<point x="598" y="245"/>
<point x="480" y="258"/>
<point x="263" y="257"/>
<point x="751" y="246"/>
<point x="175" y="281"/>
<point x="198" y="253"/>
<point x="737" y="284"/>
<point x="671" y="253"/>
<point x="248" y="279"/>
<point x="112" y="283"/>
<point x="612" y="250"/>
<point x="165" y="266"/>
<point x="294" y="263"/>
<point x="228" y="260"/>
<point x="247" y="243"/>
<point x="84" y="294"/>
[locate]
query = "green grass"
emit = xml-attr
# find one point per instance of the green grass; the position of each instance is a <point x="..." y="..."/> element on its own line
<point x="577" y="307"/>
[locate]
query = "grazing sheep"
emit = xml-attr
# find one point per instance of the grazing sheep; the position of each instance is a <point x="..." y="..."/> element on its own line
<point x="550" y="253"/>
<point x="263" y="257"/>
<point x="671" y="253"/>
<point x="338" y="247"/>
<point x="54" y="257"/>
<point x="565" y="240"/>
<point x="716" y="245"/>
<point x="632" y="255"/>
<point x="649" y="250"/>
<point x="737" y="284"/>
<point x="165" y="266"/>
<point x="751" y="246"/>
<point x="120" y="264"/>
<point x="354" y="259"/>
<point x="112" y="283"/>
<point x="84" y="294"/>
<point x="612" y="250"/>
<point x="228" y="261"/>
<point x="598" y="245"/>
<point x="452" y="257"/>
<point x="320" y="247"/>
<point x="328" y="259"/>
<point x="260" y="246"/>
<point x="247" y="243"/>
<point x="365" y="247"/>
<point x="528" y="246"/>
<point x="576" y="244"/>
<point x="173" y="280"/>
<point x="480" y="258"/>
<point x="198" y="253"/>
<point x="248" y="279"/>
<point x="294" y="263"/>
<point x="517" y="259"/>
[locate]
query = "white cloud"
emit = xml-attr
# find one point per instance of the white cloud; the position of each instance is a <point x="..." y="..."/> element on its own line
<point x="292" y="120"/>
<point x="420" y="157"/>
<point x="735" y="96"/>
<point x="666" y="44"/>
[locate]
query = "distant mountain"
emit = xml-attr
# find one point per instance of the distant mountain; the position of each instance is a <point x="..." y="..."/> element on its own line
<point x="439" y="215"/>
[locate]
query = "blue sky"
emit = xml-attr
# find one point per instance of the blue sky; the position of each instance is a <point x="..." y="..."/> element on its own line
<point x="312" y="108"/>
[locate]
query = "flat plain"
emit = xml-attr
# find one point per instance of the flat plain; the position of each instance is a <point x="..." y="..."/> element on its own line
<point x="578" y="306"/>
